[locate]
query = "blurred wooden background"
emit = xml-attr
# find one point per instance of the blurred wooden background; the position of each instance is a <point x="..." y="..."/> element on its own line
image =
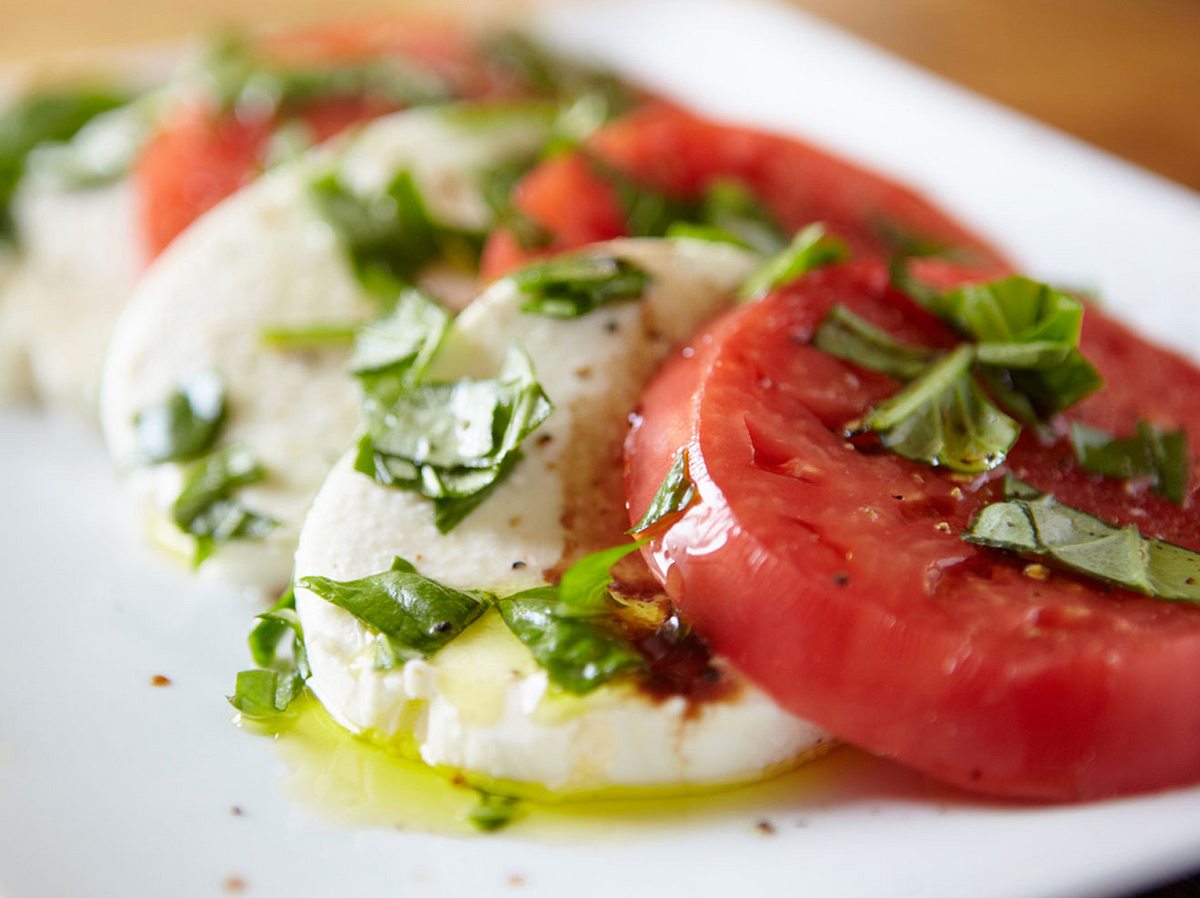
<point x="1122" y="74"/>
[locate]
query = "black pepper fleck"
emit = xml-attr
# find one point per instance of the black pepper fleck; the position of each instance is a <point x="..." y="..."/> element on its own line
<point x="766" y="827"/>
<point x="517" y="565"/>
<point x="443" y="626"/>
<point x="841" y="579"/>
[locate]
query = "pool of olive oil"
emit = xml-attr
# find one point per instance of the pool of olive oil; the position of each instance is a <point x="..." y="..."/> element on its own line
<point x="354" y="782"/>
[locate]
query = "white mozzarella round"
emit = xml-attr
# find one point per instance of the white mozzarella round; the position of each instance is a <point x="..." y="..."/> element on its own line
<point x="481" y="704"/>
<point x="265" y="258"/>
<point x="80" y="258"/>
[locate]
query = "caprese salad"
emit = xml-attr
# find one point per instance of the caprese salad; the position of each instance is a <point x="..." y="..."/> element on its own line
<point x="594" y="445"/>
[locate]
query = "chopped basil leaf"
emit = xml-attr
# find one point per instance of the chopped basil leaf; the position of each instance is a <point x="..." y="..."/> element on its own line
<point x="849" y="336"/>
<point x="692" y="231"/>
<point x="945" y="418"/>
<point x="281" y="676"/>
<point x="414" y="615"/>
<point x="1027" y="319"/>
<point x="451" y="442"/>
<point x="578" y="653"/>
<point x="648" y="212"/>
<point x="493" y="811"/>
<point x="1038" y="526"/>
<point x="403" y="341"/>
<point x="572" y="286"/>
<point x="40" y="119"/>
<point x="391" y="234"/>
<point x="1150" y="452"/>
<point x="583" y="589"/>
<point x="102" y="151"/>
<point x="497" y="185"/>
<point x="674" y="494"/>
<point x="731" y="208"/>
<point x="205" y="508"/>
<point x="570" y="628"/>
<point x="184" y="425"/>
<point x="241" y="80"/>
<point x="549" y="75"/>
<point x="810" y="248"/>
<point x="906" y="244"/>
<point x="309" y="336"/>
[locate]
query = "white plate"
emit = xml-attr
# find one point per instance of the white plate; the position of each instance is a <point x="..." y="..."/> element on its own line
<point x="111" y="787"/>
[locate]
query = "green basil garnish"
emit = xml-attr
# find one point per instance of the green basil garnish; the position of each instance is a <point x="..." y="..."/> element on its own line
<point x="268" y="690"/>
<point x="206" y="508"/>
<point x="570" y="629"/>
<point x="730" y="208"/>
<point x="1151" y="452"/>
<point x="964" y="409"/>
<point x="404" y="341"/>
<point x="945" y="418"/>
<point x="1038" y="526"/>
<point x="186" y="424"/>
<point x="451" y="442"/>
<point x="546" y="74"/>
<point x="242" y="80"/>
<point x="493" y="811"/>
<point x="102" y="151"/>
<point x="40" y="119"/>
<point x="413" y="615"/>
<point x="673" y="495"/>
<point x="391" y="235"/>
<point x="572" y="286"/>
<point x="851" y="337"/>
<point x="810" y="248"/>
<point x="908" y="244"/>
<point x="1022" y="314"/>
<point x="308" y="336"/>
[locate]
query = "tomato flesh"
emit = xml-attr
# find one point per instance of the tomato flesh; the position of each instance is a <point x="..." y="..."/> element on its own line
<point x="670" y="150"/>
<point x="836" y="578"/>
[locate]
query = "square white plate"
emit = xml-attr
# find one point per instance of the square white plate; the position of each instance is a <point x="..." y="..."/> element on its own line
<point x="110" y="787"/>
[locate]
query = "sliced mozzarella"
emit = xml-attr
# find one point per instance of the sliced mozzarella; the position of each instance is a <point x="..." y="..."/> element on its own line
<point x="264" y="259"/>
<point x="80" y="258"/>
<point x="481" y="704"/>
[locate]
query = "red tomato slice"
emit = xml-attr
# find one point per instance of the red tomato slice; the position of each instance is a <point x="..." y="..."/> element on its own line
<point x="836" y="578"/>
<point x="201" y="155"/>
<point x="671" y="150"/>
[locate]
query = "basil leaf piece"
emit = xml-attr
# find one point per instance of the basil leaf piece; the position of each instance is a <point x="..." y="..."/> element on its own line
<point x="945" y="418"/>
<point x="243" y="81"/>
<point x="39" y="119"/>
<point x="572" y="286"/>
<point x="810" y="248"/>
<point x="280" y="678"/>
<point x="1017" y="311"/>
<point x="493" y="811"/>
<point x="729" y="207"/>
<point x="851" y="337"/>
<point x="579" y="654"/>
<point x="391" y="234"/>
<point x="102" y="151"/>
<point x="403" y="341"/>
<point x="1039" y="527"/>
<point x="205" y="508"/>
<point x="673" y="495"/>
<point x="185" y="424"/>
<point x="583" y="589"/>
<point x="548" y="75"/>
<point x="451" y="442"/>
<point x="309" y="336"/>
<point x="415" y="615"/>
<point x="1150" y="452"/>
<point x="908" y="244"/>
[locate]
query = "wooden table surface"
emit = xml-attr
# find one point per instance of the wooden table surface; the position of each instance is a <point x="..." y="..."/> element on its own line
<point x="1122" y="74"/>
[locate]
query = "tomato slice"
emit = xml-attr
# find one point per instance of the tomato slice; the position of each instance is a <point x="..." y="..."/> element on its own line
<point x="671" y="150"/>
<point x="201" y="155"/>
<point x="837" y="580"/>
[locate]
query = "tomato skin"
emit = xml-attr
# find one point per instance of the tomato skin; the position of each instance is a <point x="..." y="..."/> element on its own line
<point x="669" y="149"/>
<point x="837" y="581"/>
<point x="200" y="155"/>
